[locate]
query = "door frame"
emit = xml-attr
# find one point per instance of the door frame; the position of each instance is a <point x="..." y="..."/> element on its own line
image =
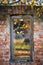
<point x="11" y="38"/>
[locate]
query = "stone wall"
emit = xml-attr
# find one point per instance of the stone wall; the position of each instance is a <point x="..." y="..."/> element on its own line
<point x="4" y="39"/>
<point x="38" y="39"/>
